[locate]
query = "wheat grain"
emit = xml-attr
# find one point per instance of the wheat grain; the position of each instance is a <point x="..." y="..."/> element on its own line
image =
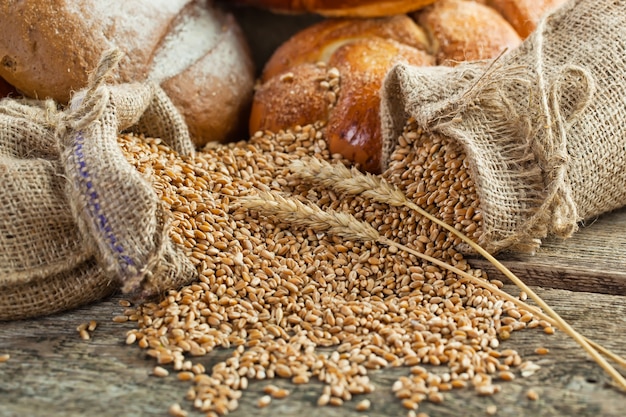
<point x="275" y="294"/>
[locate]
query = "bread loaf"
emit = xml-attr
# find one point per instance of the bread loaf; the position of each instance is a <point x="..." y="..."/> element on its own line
<point x="293" y="88"/>
<point x="191" y="48"/>
<point x="465" y="31"/>
<point x="299" y="83"/>
<point x="340" y="8"/>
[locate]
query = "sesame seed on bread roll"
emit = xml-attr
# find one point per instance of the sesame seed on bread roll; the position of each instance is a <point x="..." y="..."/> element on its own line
<point x="340" y="8"/>
<point x="195" y="51"/>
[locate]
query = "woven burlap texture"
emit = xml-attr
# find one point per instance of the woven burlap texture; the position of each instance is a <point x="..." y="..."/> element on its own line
<point x="77" y="220"/>
<point x="543" y="126"/>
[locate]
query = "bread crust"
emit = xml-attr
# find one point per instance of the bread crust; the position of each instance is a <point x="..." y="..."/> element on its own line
<point x="296" y="98"/>
<point x="461" y="30"/>
<point x="354" y="126"/>
<point x="319" y="41"/>
<point x="48" y="49"/>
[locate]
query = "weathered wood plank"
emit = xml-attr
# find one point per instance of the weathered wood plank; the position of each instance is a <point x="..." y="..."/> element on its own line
<point x="593" y="260"/>
<point x="53" y="372"/>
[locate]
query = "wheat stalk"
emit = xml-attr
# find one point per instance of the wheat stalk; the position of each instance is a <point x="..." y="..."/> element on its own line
<point x="352" y="181"/>
<point x="300" y="214"/>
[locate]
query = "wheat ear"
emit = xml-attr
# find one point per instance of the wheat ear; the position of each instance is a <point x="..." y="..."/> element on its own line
<point x="352" y="181"/>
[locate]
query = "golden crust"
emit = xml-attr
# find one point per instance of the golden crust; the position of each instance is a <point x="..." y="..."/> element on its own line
<point x="354" y="126"/>
<point x="318" y="42"/>
<point x="295" y="98"/>
<point x="466" y="31"/>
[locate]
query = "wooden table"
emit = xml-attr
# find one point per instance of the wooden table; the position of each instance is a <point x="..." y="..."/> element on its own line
<point x="53" y="372"/>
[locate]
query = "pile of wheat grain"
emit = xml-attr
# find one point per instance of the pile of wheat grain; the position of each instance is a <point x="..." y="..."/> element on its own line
<point x="305" y="304"/>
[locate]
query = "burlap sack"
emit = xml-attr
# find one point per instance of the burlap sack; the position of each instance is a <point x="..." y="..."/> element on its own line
<point x="543" y="126"/>
<point x="77" y="221"/>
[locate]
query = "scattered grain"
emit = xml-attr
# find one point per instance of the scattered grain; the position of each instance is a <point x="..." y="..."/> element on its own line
<point x="176" y="411"/>
<point x="264" y="401"/>
<point x="270" y="389"/>
<point x="120" y="319"/>
<point x="160" y="371"/>
<point x="532" y="395"/>
<point x="506" y="376"/>
<point x="409" y="404"/>
<point x="124" y="303"/>
<point x="363" y="405"/>
<point x="131" y="338"/>
<point x="528" y="368"/>
<point x="435" y="397"/>
<point x="280" y="393"/>
<point x="335" y="401"/>
<point x="185" y="376"/>
<point x="323" y="400"/>
<point x="279" y="293"/>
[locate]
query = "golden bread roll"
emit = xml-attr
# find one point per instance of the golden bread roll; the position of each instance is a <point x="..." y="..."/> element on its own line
<point x="196" y="52"/>
<point x="295" y="98"/>
<point x="299" y="83"/>
<point x="318" y="42"/>
<point x="361" y="52"/>
<point x="524" y="14"/>
<point x="354" y="126"/>
<point x="463" y="30"/>
<point x="340" y="8"/>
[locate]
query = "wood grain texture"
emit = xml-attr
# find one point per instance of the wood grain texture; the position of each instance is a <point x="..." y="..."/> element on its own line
<point x="52" y="372"/>
<point x="593" y="259"/>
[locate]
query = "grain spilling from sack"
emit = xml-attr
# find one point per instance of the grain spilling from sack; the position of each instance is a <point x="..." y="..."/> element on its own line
<point x="542" y="126"/>
<point x="305" y="305"/>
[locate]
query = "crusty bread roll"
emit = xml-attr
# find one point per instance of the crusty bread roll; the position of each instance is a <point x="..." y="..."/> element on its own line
<point x="193" y="50"/>
<point x="293" y="90"/>
<point x="462" y="30"/>
<point x="524" y="14"/>
<point x="299" y="83"/>
<point x="340" y="8"/>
